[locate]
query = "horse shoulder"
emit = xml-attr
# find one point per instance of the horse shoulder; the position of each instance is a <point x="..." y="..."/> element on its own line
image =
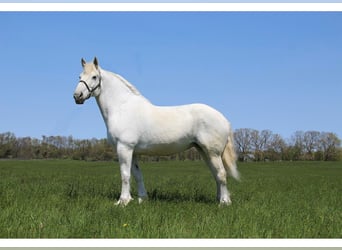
<point x="123" y="125"/>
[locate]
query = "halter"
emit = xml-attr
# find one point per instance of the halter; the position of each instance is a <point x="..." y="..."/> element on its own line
<point x="93" y="89"/>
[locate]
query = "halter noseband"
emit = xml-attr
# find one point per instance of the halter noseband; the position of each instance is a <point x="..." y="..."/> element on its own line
<point x="93" y="89"/>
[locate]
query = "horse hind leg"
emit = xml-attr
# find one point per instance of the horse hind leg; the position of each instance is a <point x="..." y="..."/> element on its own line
<point x="217" y="169"/>
<point x="220" y="175"/>
<point x="142" y="194"/>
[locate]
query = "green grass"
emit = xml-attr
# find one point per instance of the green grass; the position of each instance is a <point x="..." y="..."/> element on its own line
<point x="75" y="199"/>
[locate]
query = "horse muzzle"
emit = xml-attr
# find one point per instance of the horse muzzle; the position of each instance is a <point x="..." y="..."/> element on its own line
<point x="79" y="98"/>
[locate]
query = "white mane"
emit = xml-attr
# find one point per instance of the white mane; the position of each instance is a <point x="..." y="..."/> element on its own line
<point x="127" y="84"/>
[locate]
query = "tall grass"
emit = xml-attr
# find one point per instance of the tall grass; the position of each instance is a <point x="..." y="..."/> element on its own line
<point x="75" y="199"/>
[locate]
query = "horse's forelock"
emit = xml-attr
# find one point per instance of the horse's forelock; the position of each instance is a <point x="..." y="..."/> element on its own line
<point x="89" y="67"/>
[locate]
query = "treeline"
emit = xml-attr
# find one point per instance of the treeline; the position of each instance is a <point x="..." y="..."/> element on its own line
<point x="54" y="147"/>
<point x="254" y="145"/>
<point x="62" y="147"/>
<point x="251" y="145"/>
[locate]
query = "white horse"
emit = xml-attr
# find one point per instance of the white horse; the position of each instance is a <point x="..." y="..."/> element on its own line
<point x="135" y="126"/>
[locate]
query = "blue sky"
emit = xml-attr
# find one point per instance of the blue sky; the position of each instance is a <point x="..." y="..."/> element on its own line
<point x="264" y="70"/>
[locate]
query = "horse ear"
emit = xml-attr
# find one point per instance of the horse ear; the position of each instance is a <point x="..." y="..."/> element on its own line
<point x="83" y="62"/>
<point x="96" y="63"/>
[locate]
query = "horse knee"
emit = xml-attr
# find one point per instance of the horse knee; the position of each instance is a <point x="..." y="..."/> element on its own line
<point x="222" y="176"/>
<point x="219" y="170"/>
<point x="125" y="174"/>
<point x="125" y="179"/>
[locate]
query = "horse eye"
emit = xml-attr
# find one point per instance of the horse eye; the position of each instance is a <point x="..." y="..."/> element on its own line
<point x="94" y="77"/>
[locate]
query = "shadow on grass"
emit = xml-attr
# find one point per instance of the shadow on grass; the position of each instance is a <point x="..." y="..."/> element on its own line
<point x="74" y="191"/>
<point x="156" y="195"/>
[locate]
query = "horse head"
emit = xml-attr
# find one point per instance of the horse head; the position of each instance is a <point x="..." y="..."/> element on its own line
<point x="89" y="83"/>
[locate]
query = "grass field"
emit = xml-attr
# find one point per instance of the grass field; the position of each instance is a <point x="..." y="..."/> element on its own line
<point x="75" y="199"/>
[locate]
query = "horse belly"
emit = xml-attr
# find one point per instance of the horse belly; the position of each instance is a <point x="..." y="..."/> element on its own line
<point x="162" y="148"/>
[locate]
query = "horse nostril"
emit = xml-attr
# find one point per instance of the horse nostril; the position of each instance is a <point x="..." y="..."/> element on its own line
<point x="78" y="96"/>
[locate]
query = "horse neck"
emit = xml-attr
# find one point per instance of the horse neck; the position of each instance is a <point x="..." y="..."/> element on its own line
<point x="114" y="93"/>
<point x="113" y="88"/>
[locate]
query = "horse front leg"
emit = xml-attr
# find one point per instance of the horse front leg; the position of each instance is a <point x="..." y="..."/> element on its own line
<point x="125" y="154"/>
<point x="139" y="180"/>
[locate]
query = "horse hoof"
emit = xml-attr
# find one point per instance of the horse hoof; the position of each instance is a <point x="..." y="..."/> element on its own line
<point x="123" y="202"/>
<point x="225" y="203"/>
<point x="142" y="199"/>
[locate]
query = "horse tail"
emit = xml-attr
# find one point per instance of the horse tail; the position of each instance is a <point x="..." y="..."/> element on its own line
<point x="229" y="157"/>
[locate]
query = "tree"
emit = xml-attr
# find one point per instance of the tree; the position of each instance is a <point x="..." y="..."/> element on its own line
<point x="7" y="145"/>
<point x="259" y="141"/>
<point x="329" y="144"/>
<point x="297" y="144"/>
<point x="276" y="148"/>
<point x="310" y="143"/>
<point x="243" y="138"/>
